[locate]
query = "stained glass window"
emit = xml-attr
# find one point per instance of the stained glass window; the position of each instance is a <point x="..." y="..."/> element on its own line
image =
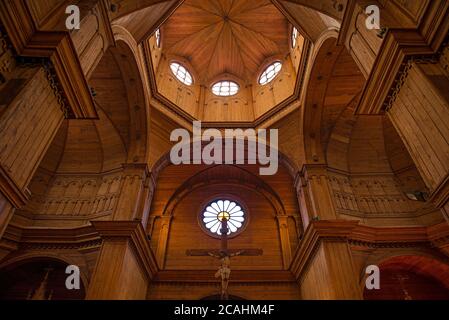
<point x="219" y="209"/>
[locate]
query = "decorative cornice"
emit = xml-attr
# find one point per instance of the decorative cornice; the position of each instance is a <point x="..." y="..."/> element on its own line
<point x="8" y="187"/>
<point x="132" y="231"/>
<point x="238" y="276"/>
<point x="354" y="234"/>
<point x="398" y="47"/>
<point x="57" y="48"/>
<point x="50" y="239"/>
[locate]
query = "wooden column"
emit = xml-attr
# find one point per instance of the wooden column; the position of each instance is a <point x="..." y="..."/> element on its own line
<point x="95" y="35"/>
<point x="420" y="114"/>
<point x="132" y="193"/>
<point x="31" y="112"/>
<point x="125" y="265"/>
<point x="285" y="240"/>
<point x="315" y="194"/>
<point x="363" y="43"/>
<point x="323" y="264"/>
<point x="163" y="239"/>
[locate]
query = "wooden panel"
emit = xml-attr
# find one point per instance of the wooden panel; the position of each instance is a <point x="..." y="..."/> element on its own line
<point x="117" y="275"/>
<point x="185" y="233"/>
<point x="269" y="291"/>
<point x="269" y="95"/>
<point x="27" y="128"/>
<point x="261" y="233"/>
<point x="41" y="10"/>
<point x="331" y="275"/>
<point x="420" y="114"/>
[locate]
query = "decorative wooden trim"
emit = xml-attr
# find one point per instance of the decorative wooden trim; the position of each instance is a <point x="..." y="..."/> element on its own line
<point x="355" y="234"/>
<point x="440" y="196"/>
<point x="57" y="47"/>
<point x="51" y="239"/>
<point x="11" y="190"/>
<point x="238" y="276"/>
<point x="134" y="232"/>
<point x="346" y="22"/>
<point x="161" y="20"/>
<point x="399" y="46"/>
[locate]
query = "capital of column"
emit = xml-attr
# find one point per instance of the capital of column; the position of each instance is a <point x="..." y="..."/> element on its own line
<point x="134" y="232"/>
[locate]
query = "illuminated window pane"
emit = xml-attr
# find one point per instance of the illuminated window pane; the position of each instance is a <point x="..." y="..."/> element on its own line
<point x="294" y="37"/>
<point x="157" y="34"/>
<point x="270" y="73"/>
<point x="218" y="210"/>
<point x="225" y="88"/>
<point x="181" y="73"/>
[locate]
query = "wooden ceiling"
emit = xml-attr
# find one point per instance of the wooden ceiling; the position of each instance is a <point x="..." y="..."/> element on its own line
<point x="222" y="37"/>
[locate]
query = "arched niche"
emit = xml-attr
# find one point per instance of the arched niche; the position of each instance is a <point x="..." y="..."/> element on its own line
<point x="411" y="277"/>
<point x="37" y="278"/>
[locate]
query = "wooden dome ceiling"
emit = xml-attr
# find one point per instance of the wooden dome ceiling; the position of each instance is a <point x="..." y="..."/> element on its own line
<point x="222" y="37"/>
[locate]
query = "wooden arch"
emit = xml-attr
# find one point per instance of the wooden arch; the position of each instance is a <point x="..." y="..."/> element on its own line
<point x="284" y="161"/>
<point x="31" y="257"/>
<point x="208" y="177"/>
<point x="127" y="56"/>
<point x="325" y="59"/>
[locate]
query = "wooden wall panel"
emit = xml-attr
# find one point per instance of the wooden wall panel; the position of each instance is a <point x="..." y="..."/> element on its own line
<point x="247" y="291"/>
<point x="27" y="127"/>
<point x="117" y="274"/>
<point x="269" y="95"/>
<point x="261" y="232"/>
<point x="421" y="116"/>
<point x="331" y="274"/>
<point x="263" y="217"/>
<point x="42" y="10"/>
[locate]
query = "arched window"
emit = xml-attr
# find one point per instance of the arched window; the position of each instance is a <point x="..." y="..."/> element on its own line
<point x="270" y="73"/>
<point x="225" y="88"/>
<point x="157" y="35"/>
<point x="217" y="210"/>
<point x="181" y="73"/>
<point x="294" y="37"/>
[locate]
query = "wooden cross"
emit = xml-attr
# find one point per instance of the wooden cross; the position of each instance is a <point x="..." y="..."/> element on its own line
<point x="224" y="254"/>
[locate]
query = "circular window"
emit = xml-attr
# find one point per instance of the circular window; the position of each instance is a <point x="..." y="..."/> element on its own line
<point x="270" y="73"/>
<point x="225" y="88"/>
<point x="181" y="73"/>
<point x="294" y="37"/>
<point x="157" y="35"/>
<point x="218" y="210"/>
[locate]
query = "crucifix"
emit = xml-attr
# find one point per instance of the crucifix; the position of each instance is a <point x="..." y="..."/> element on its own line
<point x="225" y="255"/>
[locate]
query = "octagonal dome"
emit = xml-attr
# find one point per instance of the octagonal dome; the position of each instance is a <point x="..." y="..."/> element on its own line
<point x="225" y="41"/>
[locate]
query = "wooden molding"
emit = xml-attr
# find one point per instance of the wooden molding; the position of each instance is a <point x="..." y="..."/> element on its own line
<point x="355" y="234"/>
<point x="11" y="190"/>
<point x="399" y="46"/>
<point x="440" y="196"/>
<point x="134" y="232"/>
<point x="238" y="276"/>
<point x="57" y="47"/>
